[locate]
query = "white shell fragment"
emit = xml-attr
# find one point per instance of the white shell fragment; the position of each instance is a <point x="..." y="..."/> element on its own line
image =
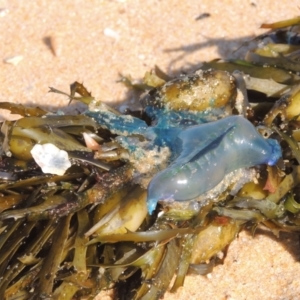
<point x="13" y="60"/>
<point x="111" y="33"/>
<point x="3" y="12"/>
<point x="51" y="159"/>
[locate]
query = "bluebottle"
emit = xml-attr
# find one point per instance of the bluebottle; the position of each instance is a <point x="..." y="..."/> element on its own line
<point x="205" y="154"/>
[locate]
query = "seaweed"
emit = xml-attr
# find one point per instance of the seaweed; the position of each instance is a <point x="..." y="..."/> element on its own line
<point x="68" y="231"/>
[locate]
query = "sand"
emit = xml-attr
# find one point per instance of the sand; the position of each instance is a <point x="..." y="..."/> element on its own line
<point x="95" y="41"/>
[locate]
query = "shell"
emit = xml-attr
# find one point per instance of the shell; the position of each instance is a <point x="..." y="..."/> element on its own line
<point x="51" y="159"/>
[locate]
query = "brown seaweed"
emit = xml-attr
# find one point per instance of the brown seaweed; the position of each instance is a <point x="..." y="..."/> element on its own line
<point x="70" y="236"/>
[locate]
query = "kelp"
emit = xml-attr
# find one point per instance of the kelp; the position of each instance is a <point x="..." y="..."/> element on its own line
<point x="71" y="236"/>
